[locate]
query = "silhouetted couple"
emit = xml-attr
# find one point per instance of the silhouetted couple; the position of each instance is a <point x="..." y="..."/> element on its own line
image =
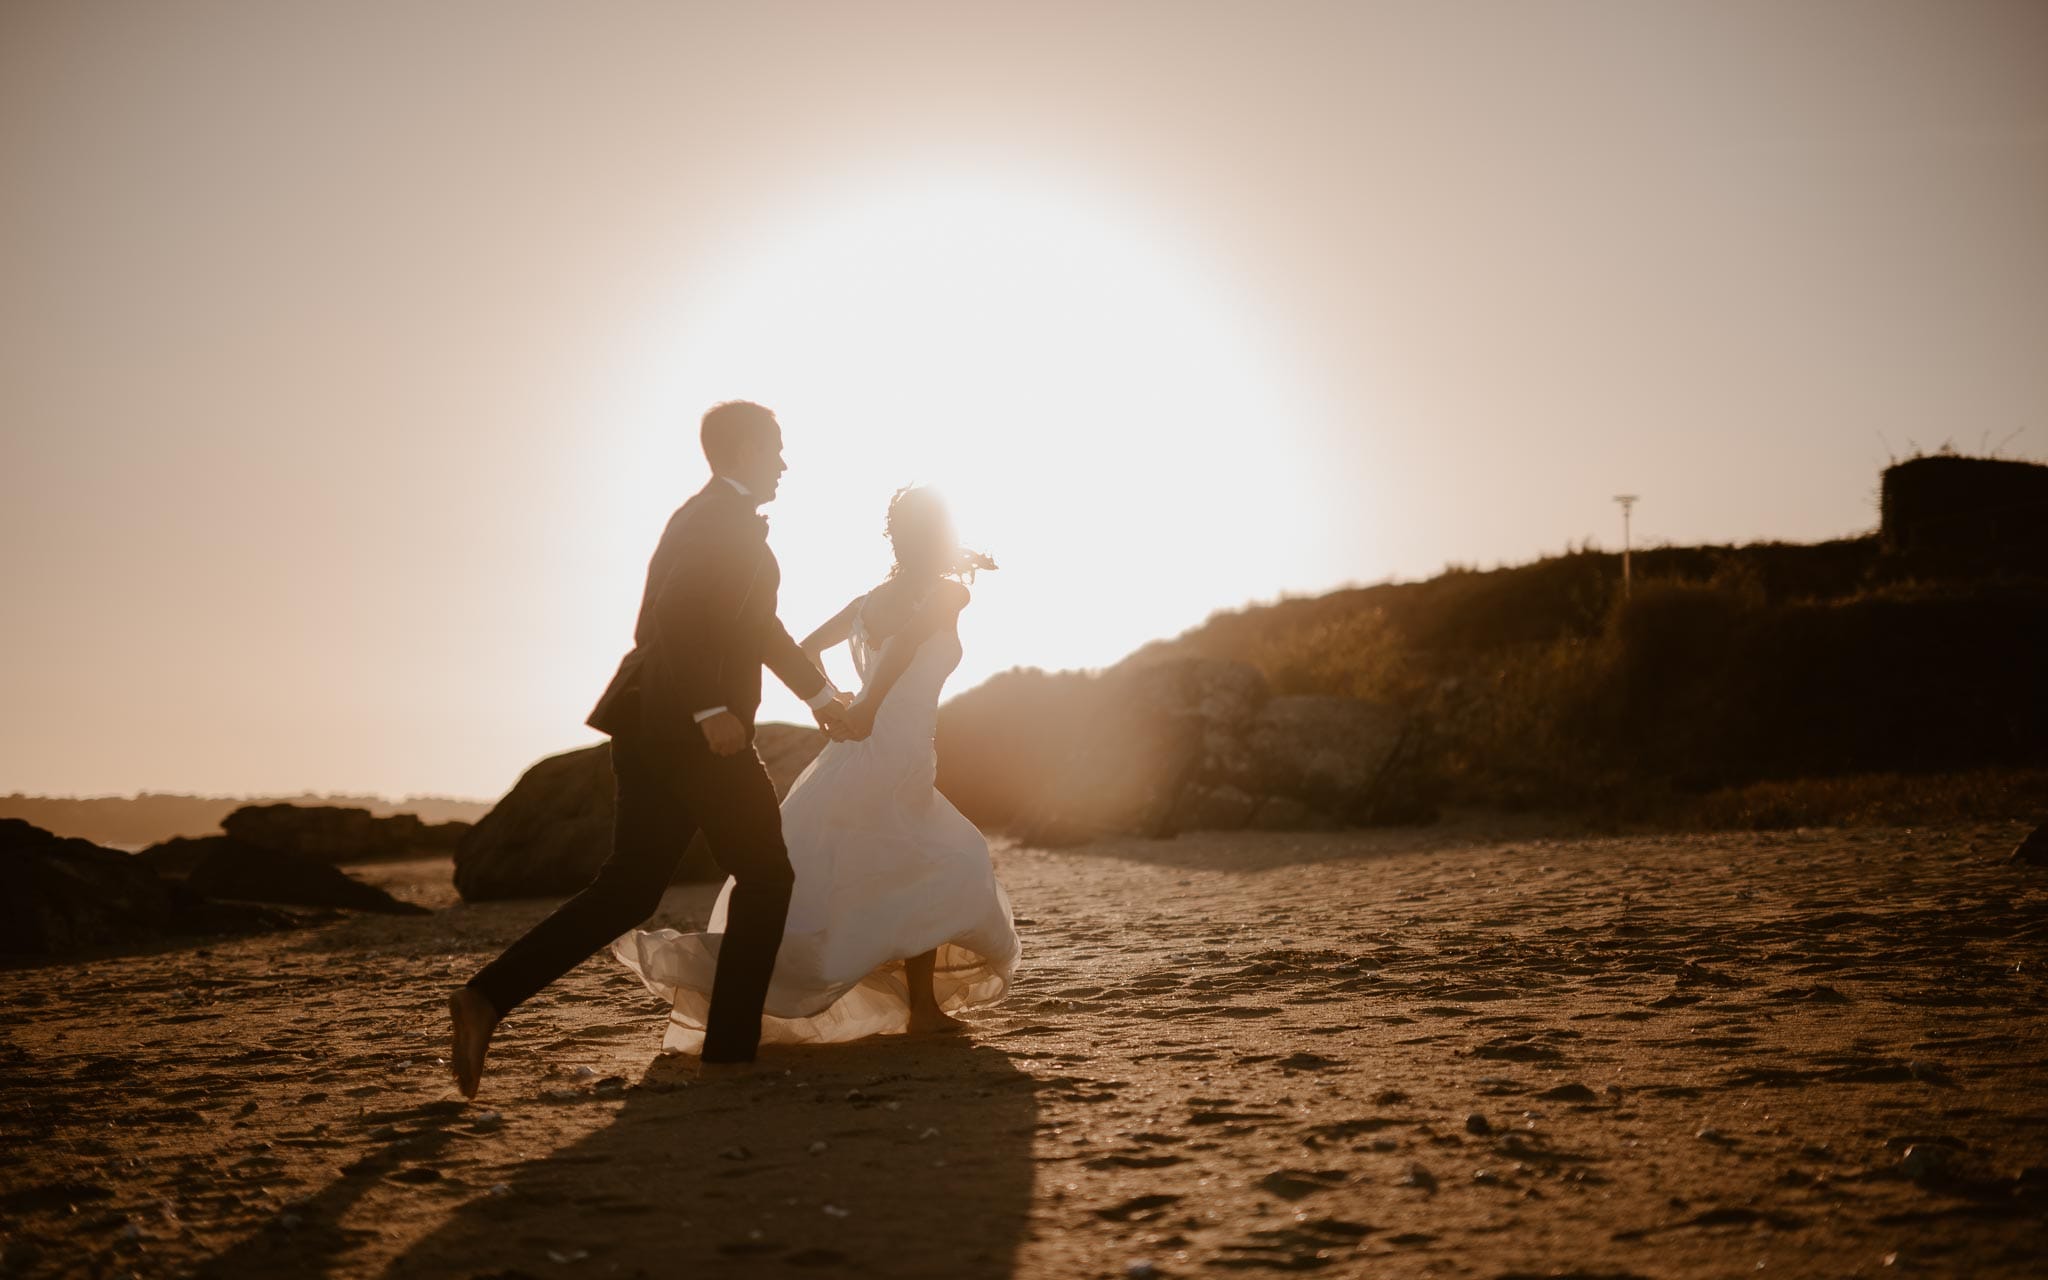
<point x="863" y="903"/>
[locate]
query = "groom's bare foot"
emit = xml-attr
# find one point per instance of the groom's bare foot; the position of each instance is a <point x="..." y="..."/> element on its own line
<point x="934" y="1021"/>
<point x="474" y="1020"/>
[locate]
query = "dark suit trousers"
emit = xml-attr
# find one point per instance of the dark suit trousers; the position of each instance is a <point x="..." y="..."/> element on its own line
<point x="667" y="791"/>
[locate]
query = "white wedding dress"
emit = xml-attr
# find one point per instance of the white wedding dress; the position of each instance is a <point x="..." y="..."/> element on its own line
<point x="886" y="869"/>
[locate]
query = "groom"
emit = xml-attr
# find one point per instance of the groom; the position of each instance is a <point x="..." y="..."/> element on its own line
<point x="680" y="713"/>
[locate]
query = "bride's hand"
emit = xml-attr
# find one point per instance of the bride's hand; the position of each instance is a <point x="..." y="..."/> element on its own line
<point x="832" y="719"/>
<point x="860" y="719"/>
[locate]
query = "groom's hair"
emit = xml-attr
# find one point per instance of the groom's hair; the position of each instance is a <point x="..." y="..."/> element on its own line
<point x="729" y="426"/>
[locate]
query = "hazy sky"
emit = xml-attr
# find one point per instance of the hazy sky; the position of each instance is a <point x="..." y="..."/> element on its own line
<point x="350" y="354"/>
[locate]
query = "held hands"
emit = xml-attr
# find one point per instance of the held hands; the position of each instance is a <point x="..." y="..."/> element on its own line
<point x="724" y="733"/>
<point x="840" y="718"/>
<point x="833" y="719"/>
<point x="860" y="719"/>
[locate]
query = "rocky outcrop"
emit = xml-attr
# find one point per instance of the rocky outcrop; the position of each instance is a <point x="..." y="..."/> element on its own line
<point x="332" y="833"/>
<point x="1151" y="732"/>
<point x="1299" y="762"/>
<point x="174" y="858"/>
<point x="59" y="894"/>
<point x="229" y="868"/>
<point x="547" y="837"/>
<point x="1326" y="752"/>
<point x="1194" y="743"/>
<point x="552" y="831"/>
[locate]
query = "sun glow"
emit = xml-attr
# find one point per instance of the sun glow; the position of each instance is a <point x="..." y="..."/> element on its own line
<point x="1098" y="409"/>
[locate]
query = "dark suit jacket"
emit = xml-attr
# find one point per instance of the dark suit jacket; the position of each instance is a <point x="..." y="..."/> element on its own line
<point x="707" y="625"/>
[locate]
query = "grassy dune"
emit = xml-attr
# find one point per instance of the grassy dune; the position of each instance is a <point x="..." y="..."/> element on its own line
<point x="1755" y="686"/>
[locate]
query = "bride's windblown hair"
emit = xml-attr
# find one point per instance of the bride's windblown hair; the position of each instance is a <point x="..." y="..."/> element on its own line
<point x="921" y="531"/>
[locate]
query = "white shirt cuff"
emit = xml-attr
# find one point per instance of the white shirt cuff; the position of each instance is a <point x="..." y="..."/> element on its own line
<point x="822" y="696"/>
<point x="709" y="712"/>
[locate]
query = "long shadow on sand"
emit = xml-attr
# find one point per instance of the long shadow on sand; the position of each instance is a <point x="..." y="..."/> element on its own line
<point x="890" y="1157"/>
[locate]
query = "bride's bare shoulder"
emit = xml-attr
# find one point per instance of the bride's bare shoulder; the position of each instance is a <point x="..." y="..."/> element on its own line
<point x="950" y="595"/>
<point x="897" y="606"/>
<point x="884" y="607"/>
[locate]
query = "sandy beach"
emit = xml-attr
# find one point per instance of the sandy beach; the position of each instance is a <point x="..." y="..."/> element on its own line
<point x="1462" y="1051"/>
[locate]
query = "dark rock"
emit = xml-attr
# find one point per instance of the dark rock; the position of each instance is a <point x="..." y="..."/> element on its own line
<point x="552" y="831"/>
<point x="1327" y="752"/>
<point x="547" y="836"/>
<point x="59" y="894"/>
<point x="1156" y="729"/>
<point x="1569" y="1093"/>
<point x="1163" y="743"/>
<point x="331" y="833"/>
<point x="2033" y="851"/>
<point x="1284" y="813"/>
<point x="174" y="858"/>
<point x="1223" y="808"/>
<point x="1218" y="700"/>
<point x="228" y="868"/>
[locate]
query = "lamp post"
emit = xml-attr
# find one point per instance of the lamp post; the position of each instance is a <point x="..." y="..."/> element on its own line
<point x="1627" y="501"/>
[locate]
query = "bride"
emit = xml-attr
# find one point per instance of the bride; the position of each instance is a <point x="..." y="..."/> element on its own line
<point x="897" y="919"/>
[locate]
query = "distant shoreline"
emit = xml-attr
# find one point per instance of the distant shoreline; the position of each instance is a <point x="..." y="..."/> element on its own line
<point x="137" y="821"/>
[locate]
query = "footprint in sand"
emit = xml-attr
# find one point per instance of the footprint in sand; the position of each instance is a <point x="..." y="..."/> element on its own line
<point x="1138" y="1208"/>
<point x="1293" y="1184"/>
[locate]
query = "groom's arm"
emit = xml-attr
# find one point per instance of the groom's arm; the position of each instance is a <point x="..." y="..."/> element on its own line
<point x="796" y="668"/>
<point x="836" y="629"/>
